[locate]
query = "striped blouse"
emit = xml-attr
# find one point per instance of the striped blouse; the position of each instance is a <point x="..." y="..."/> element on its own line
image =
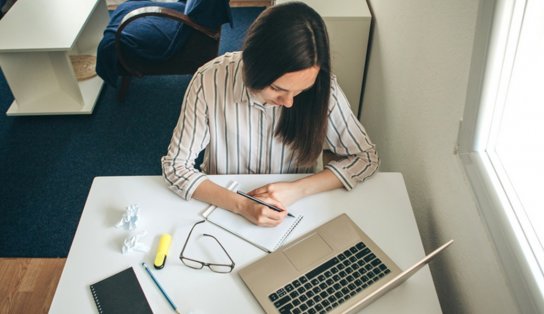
<point x="224" y="117"/>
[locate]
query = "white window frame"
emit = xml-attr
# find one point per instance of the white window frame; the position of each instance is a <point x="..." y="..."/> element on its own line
<point x="498" y="21"/>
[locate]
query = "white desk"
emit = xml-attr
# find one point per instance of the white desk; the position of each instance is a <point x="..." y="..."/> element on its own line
<point x="36" y="39"/>
<point x="380" y="206"/>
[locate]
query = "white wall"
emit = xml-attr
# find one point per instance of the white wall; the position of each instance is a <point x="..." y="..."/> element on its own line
<point x="414" y="98"/>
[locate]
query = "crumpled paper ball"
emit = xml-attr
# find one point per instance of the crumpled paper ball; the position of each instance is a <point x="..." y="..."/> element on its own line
<point x="130" y="218"/>
<point x="133" y="243"/>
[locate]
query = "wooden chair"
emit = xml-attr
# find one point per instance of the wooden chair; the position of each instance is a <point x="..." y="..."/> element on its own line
<point x="147" y="37"/>
<point x="201" y="46"/>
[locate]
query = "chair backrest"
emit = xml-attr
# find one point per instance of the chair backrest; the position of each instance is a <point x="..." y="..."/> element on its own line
<point x="199" y="46"/>
<point x="145" y="37"/>
<point x="211" y="14"/>
<point x="162" y="40"/>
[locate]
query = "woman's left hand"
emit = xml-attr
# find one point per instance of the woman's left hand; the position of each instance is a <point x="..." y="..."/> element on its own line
<point x="286" y="193"/>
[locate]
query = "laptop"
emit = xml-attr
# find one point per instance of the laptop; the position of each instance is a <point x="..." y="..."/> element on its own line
<point x="335" y="268"/>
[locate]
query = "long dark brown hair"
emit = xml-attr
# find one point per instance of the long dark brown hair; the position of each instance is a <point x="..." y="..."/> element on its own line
<point x="287" y="38"/>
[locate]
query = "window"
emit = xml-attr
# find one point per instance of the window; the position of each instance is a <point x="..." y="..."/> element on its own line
<point x="501" y="136"/>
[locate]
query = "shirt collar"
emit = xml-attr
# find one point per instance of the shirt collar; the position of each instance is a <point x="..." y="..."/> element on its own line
<point x="251" y="97"/>
<point x="255" y="100"/>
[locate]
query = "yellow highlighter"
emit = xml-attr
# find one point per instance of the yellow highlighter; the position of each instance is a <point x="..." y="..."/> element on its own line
<point x="162" y="251"/>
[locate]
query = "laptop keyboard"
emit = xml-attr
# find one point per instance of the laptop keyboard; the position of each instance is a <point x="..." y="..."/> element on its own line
<point x="330" y="284"/>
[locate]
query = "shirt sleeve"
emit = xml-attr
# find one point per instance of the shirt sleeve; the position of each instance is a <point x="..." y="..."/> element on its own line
<point x="190" y="137"/>
<point x="347" y="137"/>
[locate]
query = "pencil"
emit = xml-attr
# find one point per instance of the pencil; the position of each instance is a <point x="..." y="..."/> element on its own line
<point x="174" y="307"/>
<point x="263" y="203"/>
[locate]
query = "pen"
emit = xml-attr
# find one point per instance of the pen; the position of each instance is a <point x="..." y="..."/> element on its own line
<point x="262" y="203"/>
<point x="174" y="307"/>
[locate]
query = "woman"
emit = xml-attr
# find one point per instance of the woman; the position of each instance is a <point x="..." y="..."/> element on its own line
<point x="271" y="108"/>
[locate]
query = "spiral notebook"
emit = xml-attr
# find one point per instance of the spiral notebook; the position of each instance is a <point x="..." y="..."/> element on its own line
<point x="120" y="293"/>
<point x="267" y="239"/>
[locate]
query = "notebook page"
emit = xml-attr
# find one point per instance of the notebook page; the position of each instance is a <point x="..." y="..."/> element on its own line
<point x="265" y="238"/>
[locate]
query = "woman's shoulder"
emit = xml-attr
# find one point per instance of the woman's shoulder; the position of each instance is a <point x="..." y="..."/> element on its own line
<point x="334" y="81"/>
<point x="221" y="63"/>
<point x="338" y="100"/>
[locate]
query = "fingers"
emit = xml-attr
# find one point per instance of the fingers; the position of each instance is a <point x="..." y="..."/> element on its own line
<point x="283" y="192"/>
<point x="266" y="196"/>
<point x="263" y="190"/>
<point x="264" y="216"/>
<point x="270" y="218"/>
<point x="276" y="203"/>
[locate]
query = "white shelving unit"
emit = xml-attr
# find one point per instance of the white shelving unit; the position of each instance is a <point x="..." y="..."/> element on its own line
<point x="37" y="39"/>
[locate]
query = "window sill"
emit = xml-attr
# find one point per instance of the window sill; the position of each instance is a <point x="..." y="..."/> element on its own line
<point x="521" y="270"/>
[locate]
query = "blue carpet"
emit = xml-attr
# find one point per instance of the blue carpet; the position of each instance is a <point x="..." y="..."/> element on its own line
<point x="48" y="162"/>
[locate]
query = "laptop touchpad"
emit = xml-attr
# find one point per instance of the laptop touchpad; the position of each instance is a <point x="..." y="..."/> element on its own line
<point x="307" y="251"/>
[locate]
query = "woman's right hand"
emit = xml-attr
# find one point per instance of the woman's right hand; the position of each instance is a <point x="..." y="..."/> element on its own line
<point x="259" y="214"/>
<point x="256" y="213"/>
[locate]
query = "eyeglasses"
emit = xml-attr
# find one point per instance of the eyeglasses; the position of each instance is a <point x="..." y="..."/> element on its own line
<point x="196" y="264"/>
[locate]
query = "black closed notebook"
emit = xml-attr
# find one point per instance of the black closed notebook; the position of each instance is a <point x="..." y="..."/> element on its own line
<point x="120" y="293"/>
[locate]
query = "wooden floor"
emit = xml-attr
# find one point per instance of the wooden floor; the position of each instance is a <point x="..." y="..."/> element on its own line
<point x="27" y="285"/>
